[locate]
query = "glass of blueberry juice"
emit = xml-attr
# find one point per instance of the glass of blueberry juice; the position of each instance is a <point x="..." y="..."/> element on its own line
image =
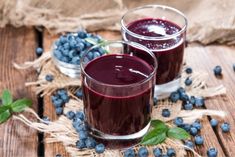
<point x="118" y="90"/>
<point x="161" y="29"/>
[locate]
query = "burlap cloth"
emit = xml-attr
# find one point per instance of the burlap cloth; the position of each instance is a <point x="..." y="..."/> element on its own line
<point x="209" y="20"/>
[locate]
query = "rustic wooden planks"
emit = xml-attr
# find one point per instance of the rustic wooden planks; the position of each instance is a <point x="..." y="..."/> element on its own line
<point x="17" y="45"/>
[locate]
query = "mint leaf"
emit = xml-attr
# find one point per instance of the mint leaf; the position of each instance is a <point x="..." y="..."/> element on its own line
<point x="4" y="108"/>
<point x="6" y="97"/>
<point x="154" y="137"/>
<point x="4" y="116"/>
<point x="177" y="133"/>
<point x="157" y="124"/>
<point x="20" y="105"/>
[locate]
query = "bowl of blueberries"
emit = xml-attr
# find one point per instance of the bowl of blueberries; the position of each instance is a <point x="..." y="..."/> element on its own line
<point x="69" y="48"/>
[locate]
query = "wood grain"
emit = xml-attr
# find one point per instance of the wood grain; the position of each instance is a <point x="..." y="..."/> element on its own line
<point x="17" y="45"/>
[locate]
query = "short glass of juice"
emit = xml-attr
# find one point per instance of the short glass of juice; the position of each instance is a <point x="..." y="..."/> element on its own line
<point x="161" y="29"/>
<point x="118" y="90"/>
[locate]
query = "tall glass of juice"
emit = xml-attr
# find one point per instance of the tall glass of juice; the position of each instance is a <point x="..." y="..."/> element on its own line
<point x="161" y="29"/>
<point x="118" y="92"/>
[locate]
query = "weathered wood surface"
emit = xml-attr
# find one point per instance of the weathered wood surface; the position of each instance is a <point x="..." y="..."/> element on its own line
<point x="17" y="45"/>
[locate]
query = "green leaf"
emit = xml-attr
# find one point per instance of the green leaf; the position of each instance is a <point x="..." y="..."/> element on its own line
<point x="21" y="104"/>
<point x="157" y="124"/>
<point x="6" y="97"/>
<point x="154" y="137"/>
<point x="4" y="116"/>
<point x="4" y="108"/>
<point x="177" y="133"/>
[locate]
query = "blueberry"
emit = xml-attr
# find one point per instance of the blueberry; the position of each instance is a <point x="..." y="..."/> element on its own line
<point x="174" y="97"/>
<point x="199" y="102"/>
<point x="129" y="153"/>
<point x="59" y="110"/>
<point x="188" y="70"/>
<point x="143" y="152"/>
<point x="61" y="92"/>
<point x="79" y="93"/>
<point x="72" y="54"/>
<point x="101" y="51"/>
<point x="65" y="52"/>
<point x="73" y="43"/>
<point x="155" y="101"/>
<point x="166" y="113"/>
<point x="80" y="115"/>
<point x="65" y="59"/>
<point x="165" y="155"/>
<point x="58" y="155"/>
<point x="66" y="46"/>
<point x="186" y="127"/>
<point x="63" y="39"/>
<point x="70" y="115"/>
<point x="39" y="51"/>
<point x="79" y="127"/>
<point x="212" y="152"/>
<point x="80" y="144"/>
<point x="49" y="77"/>
<point x="96" y="54"/>
<point x="233" y="67"/>
<point x="188" y="106"/>
<point x="199" y="140"/>
<point x="217" y="70"/>
<point x="193" y="131"/>
<point x="157" y="152"/>
<point x="80" y="46"/>
<point x="213" y="122"/>
<point x="180" y="90"/>
<point x="75" y="60"/>
<point x="90" y="143"/>
<point x="58" y="54"/>
<point x="178" y="121"/>
<point x="65" y="98"/>
<point x="184" y="97"/>
<point x="225" y="127"/>
<point x="90" y="56"/>
<point x="58" y="103"/>
<point x="197" y="125"/>
<point x="100" y="148"/>
<point x="171" y="152"/>
<point x="83" y="135"/>
<point x="192" y="100"/>
<point x="82" y="34"/>
<point x="188" y="81"/>
<point x="189" y="144"/>
<point x="54" y="98"/>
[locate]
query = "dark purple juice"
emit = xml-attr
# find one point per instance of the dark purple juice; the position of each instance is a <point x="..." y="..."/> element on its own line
<point x="117" y="110"/>
<point x="169" y="52"/>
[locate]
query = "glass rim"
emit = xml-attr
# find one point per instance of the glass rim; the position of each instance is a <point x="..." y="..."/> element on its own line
<point x="136" y="45"/>
<point x="164" y="7"/>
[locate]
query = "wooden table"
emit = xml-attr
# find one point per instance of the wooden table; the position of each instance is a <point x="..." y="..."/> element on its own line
<point x="18" y="45"/>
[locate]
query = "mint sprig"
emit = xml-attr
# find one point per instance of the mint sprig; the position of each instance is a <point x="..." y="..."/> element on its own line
<point x="9" y="107"/>
<point x="159" y="132"/>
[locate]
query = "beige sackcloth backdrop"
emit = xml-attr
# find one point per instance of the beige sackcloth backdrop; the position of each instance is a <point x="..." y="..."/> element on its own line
<point x="209" y="20"/>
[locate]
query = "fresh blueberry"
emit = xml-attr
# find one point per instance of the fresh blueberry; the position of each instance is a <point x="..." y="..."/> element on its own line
<point x="174" y="97"/>
<point x="65" y="59"/>
<point x="96" y="54"/>
<point x="143" y="152"/>
<point x="66" y="46"/>
<point x="58" y="155"/>
<point x="80" y="144"/>
<point x="61" y="92"/>
<point x="192" y="100"/>
<point x="49" y="77"/>
<point x="193" y="131"/>
<point x="199" y="140"/>
<point x="70" y="115"/>
<point x="171" y="152"/>
<point x="82" y="34"/>
<point x="39" y="51"/>
<point x="188" y="70"/>
<point x="63" y="39"/>
<point x="90" y="55"/>
<point x="90" y="143"/>
<point x="73" y="43"/>
<point x="180" y="90"/>
<point x="165" y="155"/>
<point x="80" y="127"/>
<point x="80" y="115"/>
<point x="79" y="93"/>
<point x="199" y="102"/>
<point x="197" y="125"/>
<point x="188" y="106"/>
<point x="213" y="122"/>
<point x="75" y="60"/>
<point x="80" y="46"/>
<point x="178" y="121"/>
<point x="65" y="98"/>
<point x="58" y="103"/>
<point x="155" y="101"/>
<point x="129" y="153"/>
<point x="186" y="127"/>
<point x="184" y="97"/>
<point x="58" y="54"/>
<point x="157" y="152"/>
<point x="217" y="70"/>
<point x="54" y="98"/>
<point x="166" y="112"/>
<point x="72" y="54"/>
<point x="212" y="152"/>
<point x="59" y="110"/>
<point x="189" y="144"/>
<point x="83" y="135"/>
<point x="225" y="127"/>
<point x="100" y="148"/>
<point x="65" y="52"/>
<point x="188" y="81"/>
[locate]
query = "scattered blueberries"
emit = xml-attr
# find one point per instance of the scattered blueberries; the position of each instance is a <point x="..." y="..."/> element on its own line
<point x="186" y="127"/>
<point x="213" y="122"/>
<point x="59" y="110"/>
<point x="143" y="152"/>
<point x="188" y="70"/>
<point x="199" y="140"/>
<point x="90" y="143"/>
<point x="79" y="94"/>
<point x="157" y="152"/>
<point x="39" y="51"/>
<point x="217" y="70"/>
<point x="189" y="144"/>
<point x="197" y="125"/>
<point x="225" y="127"/>
<point x="100" y="148"/>
<point x="171" y="152"/>
<point x="184" y="96"/>
<point x="49" y="77"/>
<point x="178" y="121"/>
<point x="83" y="135"/>
<point x="70" y="115"/>
<point x="80" y="144"/>
<point x="166" y="112"/>
<point x="129" y="153"/>
<point x="199" y="102"/>
<point x="212" y="152"/>
<point x="192" y="100"/>
<point x="193" y="131"/>
<point x="188" y="81"/>
<point x="188" y="106"/>
<point x="174" y="97"/>
<point x="59" y="98"/>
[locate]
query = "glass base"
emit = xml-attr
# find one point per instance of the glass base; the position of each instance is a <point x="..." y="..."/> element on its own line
<point x="164" y="90"/>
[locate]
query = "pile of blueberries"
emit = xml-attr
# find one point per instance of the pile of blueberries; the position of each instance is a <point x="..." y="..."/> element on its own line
<point x="70" y="47"/>
<point x="59" y="98"/>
